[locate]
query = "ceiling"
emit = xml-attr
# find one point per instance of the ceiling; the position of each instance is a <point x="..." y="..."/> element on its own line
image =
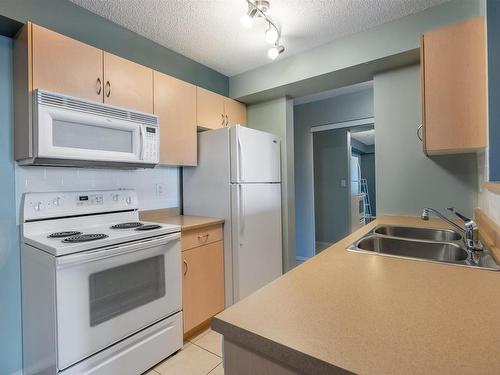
<point x="344" y="90"/>
<point x="210" y="32"/>
<point x="367" y="137"/>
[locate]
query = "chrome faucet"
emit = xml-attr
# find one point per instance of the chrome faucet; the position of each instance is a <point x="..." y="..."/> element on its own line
<point x="470" y="231"/>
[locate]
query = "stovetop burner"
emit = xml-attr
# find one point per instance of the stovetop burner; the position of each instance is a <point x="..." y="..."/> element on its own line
<point x="148" y="227"/>
<point x="64" y="234"/>
<point x="127" y="225"/>
<point x="85" y="238"/>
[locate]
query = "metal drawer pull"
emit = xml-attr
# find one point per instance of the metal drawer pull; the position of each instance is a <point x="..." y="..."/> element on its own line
<point x="227" y="121"/>
<point x="223" y="124"/>
<point x="108" y="89"/>
<point x="98" y="86"/>
<point x="185" y="268"/>
<point x="419" y="132"/>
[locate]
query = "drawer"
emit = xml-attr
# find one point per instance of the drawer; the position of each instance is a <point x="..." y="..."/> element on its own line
<point x="200" y="237"/>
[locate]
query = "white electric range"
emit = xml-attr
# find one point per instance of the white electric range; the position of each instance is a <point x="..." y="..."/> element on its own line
<point x="101" y="290"/>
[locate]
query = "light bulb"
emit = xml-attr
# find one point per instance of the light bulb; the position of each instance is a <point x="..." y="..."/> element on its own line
<point x="271" y="35"/>
<point x="246" y="20"/>
<point x="275" y="51"/>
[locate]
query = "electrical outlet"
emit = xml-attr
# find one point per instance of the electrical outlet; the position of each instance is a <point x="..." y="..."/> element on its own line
<point x="160" y="190"/>
<point x="343" y="183"/>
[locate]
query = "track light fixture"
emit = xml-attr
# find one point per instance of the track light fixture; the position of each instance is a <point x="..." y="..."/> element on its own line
<point x="261" y="9"/>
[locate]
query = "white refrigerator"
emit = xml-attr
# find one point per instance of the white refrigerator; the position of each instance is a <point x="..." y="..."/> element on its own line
<point x="238" y="178"/>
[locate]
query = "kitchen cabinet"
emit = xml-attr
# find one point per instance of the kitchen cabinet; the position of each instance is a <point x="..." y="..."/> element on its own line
<point x="453" y="68"/>
<point x="127" y="84"/>
<point x="209" y="109"/>
<point x="175" y="104"/>
<point x="64" y="65"/>
<point x="235" y="112"/>
<point x="203" y="277"/>
<point x="215" y="111"/>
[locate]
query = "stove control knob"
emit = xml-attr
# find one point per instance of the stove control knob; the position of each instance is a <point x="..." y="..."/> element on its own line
<point x="38" y="206"/>
<point x="129" y="200"/>
<point x="116" y="197"/>
<point x="58" y="202"/>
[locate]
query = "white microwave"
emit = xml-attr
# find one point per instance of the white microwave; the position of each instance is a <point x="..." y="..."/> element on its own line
<point x="68" y="131"/>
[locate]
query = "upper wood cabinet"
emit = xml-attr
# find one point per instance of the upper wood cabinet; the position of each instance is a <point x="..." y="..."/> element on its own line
<point x="127" y="84"/>
<point x="216" y="111"/>
<point x="64" y="65"/>
<point x="175" y="104"/>
<point x="209" y="109"/>
<point x="236" y="112"/>
<point x="453" y="66"/>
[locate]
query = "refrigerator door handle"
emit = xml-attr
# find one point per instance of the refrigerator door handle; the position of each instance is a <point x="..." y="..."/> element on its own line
<point x="242" y="212"/>
<point x="240" y="159"/>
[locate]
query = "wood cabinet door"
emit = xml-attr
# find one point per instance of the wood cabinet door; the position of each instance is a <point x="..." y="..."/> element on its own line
<point x="67" y="66"/>
<point x="175" y="104"/>
<point x="236" y="112"/>
<point x="127" y="84"/>
<point x="203" y="284"/>
<point x="454" y="88"/>
<point x="209" y="109"/>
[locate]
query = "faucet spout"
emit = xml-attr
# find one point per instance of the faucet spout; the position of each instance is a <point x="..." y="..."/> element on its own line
<point x="470" y="231"/>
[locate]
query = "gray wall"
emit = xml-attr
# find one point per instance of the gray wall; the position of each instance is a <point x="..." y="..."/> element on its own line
<point x="368" y="172"/>
<point x="493" y="20"/>
<point x="71" y="20"/>
<point x="331" y="200"/>
<point x="339" y="109"/>
<point x="10" y="294"/>
<point x="276" y="116"/>
<point x="407" y="180"/>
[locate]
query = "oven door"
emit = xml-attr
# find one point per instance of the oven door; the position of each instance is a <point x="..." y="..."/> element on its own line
<point x="69" y="134"/>
<point x="105" y="295"/>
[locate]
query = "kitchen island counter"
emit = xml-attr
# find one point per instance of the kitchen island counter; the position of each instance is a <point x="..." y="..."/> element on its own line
<point x="343" y="312"/>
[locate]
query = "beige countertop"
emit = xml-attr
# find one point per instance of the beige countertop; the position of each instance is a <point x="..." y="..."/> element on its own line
<point x="367" y="314"/>
<point x="190" y="222"/>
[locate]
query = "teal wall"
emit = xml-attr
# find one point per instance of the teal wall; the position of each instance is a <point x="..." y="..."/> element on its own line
<point x="345" y="60"/>
<point x="10" y="293"/>
<point x="493" y="21"/>
<point x="338" y="109"/>
<point x="276" y="116"/>
<point x="71" y="20"/>
<point x="331" y="200"/>
<point x="407" y="180"/>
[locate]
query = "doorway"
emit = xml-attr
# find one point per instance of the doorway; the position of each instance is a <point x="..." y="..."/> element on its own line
<point x="344" y="179"/>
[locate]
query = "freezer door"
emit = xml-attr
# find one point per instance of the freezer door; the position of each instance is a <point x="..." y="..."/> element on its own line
<point x="256" y="227"/>
<point x="255" y="156"/>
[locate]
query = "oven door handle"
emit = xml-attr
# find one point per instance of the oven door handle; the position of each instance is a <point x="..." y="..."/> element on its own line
<point x="114" y="251"/>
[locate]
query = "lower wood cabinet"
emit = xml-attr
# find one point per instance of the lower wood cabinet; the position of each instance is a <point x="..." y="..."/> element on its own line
<point x="202" y="282"/>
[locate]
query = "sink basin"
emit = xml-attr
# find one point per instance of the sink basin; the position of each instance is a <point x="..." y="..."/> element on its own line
<point x="437" y="251"/>
<point x="418" y="233"/>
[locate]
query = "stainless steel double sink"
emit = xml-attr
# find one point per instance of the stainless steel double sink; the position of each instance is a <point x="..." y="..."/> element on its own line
<point x="435" y="245"/>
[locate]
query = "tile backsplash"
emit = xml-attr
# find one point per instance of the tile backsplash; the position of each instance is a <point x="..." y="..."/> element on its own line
<point x="156" y="188"/>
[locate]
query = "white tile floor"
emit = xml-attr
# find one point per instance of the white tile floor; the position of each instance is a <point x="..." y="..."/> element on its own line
<point x="200" y="355"/>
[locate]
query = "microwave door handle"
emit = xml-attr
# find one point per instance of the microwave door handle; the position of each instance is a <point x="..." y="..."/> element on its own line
<point x="141" y="142"/>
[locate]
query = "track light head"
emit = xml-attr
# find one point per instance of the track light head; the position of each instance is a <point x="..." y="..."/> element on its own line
<point x="247" y="18"/>
<point x="275" y="51"/>
<point x="272" y="34"/>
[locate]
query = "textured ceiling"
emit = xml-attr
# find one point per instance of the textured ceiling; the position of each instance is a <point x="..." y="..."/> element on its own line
<point x="210" y="32"/>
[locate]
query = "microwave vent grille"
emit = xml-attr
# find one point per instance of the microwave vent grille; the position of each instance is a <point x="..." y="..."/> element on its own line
<point x="94" y="108"/>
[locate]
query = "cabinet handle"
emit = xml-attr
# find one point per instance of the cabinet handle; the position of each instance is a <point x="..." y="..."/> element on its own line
<point x="419" y="132"/>
<point x="108" y="89"/>
<point x="227" y="121"/>
<point x="98" y="86"/>
<point x="203" y="237"/>
<point x="185" y="268"/>
<point x="222" y="123"/>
